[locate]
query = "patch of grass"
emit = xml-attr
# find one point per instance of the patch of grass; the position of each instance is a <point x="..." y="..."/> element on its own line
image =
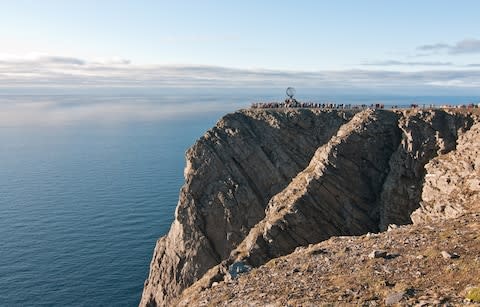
<point x="271" y="263"/>
<point x="474" y="295"/>
<point x="431" y="252"/>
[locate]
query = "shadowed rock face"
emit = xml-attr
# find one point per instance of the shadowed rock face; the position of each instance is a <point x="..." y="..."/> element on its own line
<point x="231" y="174"/>
<point x="263" y="182"/>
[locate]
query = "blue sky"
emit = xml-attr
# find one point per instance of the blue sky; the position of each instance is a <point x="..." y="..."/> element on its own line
<point x="244" y="43"/>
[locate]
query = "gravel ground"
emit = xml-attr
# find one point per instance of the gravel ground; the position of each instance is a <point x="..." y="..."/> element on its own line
<point x="419" y="265"/>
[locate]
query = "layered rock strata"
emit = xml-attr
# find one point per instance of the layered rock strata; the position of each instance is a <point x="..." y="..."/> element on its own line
<point x="263" y="182"/>
<point x="231" y="174"/>
<point x="335" y="195"/>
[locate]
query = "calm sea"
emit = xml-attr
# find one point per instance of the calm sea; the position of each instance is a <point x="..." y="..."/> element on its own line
<point x="90" y="180"/>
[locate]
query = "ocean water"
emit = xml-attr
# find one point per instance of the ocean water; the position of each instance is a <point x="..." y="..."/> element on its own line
<point x="89" y="181"/>
<point x="82" y="207"/>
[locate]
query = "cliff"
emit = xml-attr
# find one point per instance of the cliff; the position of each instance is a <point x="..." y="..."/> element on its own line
<point x="263" y="182"/>
<point x="230" y="175"/>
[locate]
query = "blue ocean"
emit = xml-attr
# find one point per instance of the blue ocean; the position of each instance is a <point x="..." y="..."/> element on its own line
<point x="89" y="180"/>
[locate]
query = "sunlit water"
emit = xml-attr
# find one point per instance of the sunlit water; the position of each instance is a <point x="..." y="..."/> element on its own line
<point x="83" y="200"/>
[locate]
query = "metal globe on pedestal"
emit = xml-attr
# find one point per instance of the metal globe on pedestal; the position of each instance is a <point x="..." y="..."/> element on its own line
<point x="290" y="92"/>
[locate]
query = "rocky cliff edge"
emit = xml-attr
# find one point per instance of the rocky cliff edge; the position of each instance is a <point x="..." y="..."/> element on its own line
<point x="263" y="182"/>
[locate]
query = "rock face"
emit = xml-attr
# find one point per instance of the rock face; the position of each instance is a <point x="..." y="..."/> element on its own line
<point x="263" y="182"/>
<point x="231" y="174"/>
<point x="452" y="182"/>
<point x="424" y="136"/>
<point x="336" y="194"/>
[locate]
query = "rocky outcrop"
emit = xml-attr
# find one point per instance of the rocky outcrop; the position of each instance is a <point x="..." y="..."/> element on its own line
<point x="452" y="182"/>
<point x="263" y="182"/>
<point x="425" y="135"/>
<point x="231" y="174"/>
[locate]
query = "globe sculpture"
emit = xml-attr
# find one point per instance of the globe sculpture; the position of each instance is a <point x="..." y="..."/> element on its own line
<point x="290" y="92"/>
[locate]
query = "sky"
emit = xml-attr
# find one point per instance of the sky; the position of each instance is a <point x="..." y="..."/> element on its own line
<point x="414" y="45"/>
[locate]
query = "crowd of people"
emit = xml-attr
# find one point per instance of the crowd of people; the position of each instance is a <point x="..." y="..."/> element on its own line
<point x="327" y="105"/>
<point x="331" y="105"/>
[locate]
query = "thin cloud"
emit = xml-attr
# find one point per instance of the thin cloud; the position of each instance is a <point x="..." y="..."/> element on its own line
<point x="61" y="60"/>
<point x="434" y="47"/>
<point x="112" y="61"/>
<point x="45" y="59"/>
<point x="402" y="63"/>
<point x="462" y="47"/>
<point x="60" y="71"/>
<point x="466" y="46"/>
<point x="40" y="59"/>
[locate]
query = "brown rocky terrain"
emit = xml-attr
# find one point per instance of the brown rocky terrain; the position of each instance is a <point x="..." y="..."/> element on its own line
<point x="263" y="183"/>
<point x="343" y="271"/>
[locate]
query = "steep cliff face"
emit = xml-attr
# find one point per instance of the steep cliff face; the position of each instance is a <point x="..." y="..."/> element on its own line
<point x="263" y="182"/>
<point x="231" y="174"/>
<point x="335" y="195"/>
